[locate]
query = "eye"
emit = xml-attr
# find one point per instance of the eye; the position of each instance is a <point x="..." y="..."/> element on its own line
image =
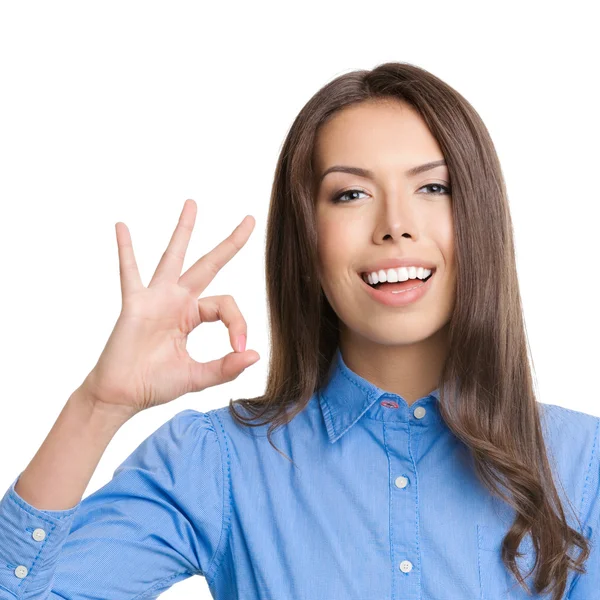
<point x="437" y="185"/>
<point x="338" y="199"/>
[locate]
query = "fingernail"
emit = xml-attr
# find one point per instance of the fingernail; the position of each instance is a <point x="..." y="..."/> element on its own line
<point x="241" y="343"/>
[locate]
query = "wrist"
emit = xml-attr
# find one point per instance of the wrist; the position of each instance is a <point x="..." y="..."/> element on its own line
<point x="98" y="409"/>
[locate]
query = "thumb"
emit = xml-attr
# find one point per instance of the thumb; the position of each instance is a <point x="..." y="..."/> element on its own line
<point x="220" y="370"/>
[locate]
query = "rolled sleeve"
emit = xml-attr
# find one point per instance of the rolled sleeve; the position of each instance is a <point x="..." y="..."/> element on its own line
<point x="30" y="539"/>
<point x="157" y="522"/>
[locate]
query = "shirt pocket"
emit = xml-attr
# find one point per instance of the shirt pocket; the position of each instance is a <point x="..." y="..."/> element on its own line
<point x="496" y="581"/>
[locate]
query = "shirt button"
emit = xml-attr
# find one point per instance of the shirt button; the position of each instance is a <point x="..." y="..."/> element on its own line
<point x="401" y="481"/>
<point x="21" y="571"/>
<point x="38" y="535"/>
<point x="405" y="566"/>
<point x="419" y="412"/>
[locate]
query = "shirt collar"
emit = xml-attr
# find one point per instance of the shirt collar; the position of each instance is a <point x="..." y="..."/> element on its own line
<point x="346" y="397"/>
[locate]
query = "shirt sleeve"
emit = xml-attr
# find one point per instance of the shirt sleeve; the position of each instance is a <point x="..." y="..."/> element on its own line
<point x="586" y="586"/>
<point x="157" y="522"/>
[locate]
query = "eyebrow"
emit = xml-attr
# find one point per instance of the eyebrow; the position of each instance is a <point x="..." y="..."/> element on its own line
<point x="368" y="174"/>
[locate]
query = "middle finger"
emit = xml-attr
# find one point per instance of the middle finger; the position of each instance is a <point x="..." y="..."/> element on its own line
<point x="171" y="263"/>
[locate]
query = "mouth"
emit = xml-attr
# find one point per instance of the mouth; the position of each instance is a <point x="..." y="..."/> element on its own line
<point x="376" y="286"/>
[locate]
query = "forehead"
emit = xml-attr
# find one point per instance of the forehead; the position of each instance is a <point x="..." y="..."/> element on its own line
<point x="378" y="132"/>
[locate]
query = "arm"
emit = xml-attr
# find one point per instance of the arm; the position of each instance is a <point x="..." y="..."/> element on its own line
<point x="157" y="522"/>
<point x="60" y="472"/>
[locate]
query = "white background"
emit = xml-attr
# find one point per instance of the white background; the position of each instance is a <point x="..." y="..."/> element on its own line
<point x="119" y="111"/>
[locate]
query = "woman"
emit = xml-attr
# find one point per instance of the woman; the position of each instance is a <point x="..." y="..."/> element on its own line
<point x="419" y="461"/>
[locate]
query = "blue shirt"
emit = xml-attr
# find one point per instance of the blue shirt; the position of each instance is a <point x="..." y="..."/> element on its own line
<point x="383" y="504"/>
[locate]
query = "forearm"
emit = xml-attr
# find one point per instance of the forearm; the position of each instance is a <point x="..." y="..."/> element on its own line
<point x="59" y="473"/>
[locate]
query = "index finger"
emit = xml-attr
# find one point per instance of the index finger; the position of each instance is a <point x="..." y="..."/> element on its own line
<point x="205" y="269"/>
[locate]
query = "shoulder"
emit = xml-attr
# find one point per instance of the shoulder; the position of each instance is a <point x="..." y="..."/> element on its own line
<point x="189" y="421"/>
<point x="572" y="440"/>
<point x="569" y="432"/>
<point x="183" y="438"/>
<point x="568" y="415"/>
<point x="183" y="429"/>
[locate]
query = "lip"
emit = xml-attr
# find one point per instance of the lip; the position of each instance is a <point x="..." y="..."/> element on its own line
<point x="398" y="298"/>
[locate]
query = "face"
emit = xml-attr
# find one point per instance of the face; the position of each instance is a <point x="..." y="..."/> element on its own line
<point x="393" y="215"/>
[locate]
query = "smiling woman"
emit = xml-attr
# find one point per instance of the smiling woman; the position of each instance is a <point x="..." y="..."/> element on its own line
<point x="386" y="173"/>
<point x="422" y="466"/>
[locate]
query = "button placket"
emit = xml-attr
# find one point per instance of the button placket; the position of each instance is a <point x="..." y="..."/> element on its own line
<point x="401" y="481"/>
<point x="406" y="566"/>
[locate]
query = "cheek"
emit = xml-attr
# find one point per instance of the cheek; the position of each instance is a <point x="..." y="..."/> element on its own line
<point x="443" y="234"/>
<point x="447" y="249"/>
<point x="336" y="244"/>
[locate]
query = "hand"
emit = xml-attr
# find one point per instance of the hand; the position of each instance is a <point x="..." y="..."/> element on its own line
<point x="145" y="362"/>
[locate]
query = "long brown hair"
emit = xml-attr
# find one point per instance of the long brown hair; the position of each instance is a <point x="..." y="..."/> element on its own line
<point x="487" y="371"/>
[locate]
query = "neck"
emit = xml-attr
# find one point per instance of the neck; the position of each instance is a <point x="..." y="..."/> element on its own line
<point x="411" y="371"/>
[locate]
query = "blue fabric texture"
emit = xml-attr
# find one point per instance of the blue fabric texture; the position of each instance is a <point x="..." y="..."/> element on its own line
<point x="382" y="502"/>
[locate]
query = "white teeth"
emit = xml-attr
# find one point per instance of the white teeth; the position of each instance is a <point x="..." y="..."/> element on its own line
<point x="395" y="275"/>
<point x="391" y="276"/>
